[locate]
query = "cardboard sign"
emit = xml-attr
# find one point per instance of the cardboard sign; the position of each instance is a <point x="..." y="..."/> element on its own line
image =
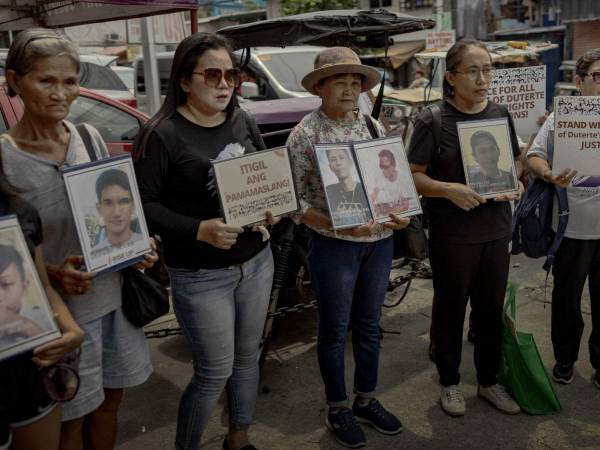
<point x="440" y="40"/>
<point x="108" y="213"/>
<point x="577" y="135"/>
<point x="251" y="185"/>
<point x="523" y="91"/>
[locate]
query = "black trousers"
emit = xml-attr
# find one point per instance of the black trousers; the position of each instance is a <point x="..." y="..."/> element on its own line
<point x="478" y="272"/>
<point x="576" y="260"/>
<point x="411" y="241"/>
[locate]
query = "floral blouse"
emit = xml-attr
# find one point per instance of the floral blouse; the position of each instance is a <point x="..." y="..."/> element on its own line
<point x="318" y="128"/>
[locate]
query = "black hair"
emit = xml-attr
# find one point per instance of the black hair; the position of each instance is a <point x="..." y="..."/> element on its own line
<point x="585" y="62"/>
<point x="184" y="62"/>
<point x="338" y="149"/>
<point x="455" y="56"/>
<point x="112" y="177"/>
<point x="482" y="136"/>
<point x="9" y="255"/>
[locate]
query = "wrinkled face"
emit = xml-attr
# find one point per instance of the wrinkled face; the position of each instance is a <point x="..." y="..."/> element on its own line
<point x="487" y="155"/>
<point x="209" y="99"/>
<point x="587" y="85"/>
<point x="116" y="208"/>
<point x="339" y="163"/>
<point x="340" y="93"/>
<point x="472" y="77"/>
<point x="49" y="88"/>
<point x="387" y="166"/>
<point x="12" y="289"/>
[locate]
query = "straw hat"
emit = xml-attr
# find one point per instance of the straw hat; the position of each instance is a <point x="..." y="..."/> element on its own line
<point x="340" y="60"/>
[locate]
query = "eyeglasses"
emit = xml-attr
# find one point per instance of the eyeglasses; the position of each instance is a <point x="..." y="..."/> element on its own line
<point x="473" y="74"/>
<point x="213" y="76"/>
<point x="595" y="76"/>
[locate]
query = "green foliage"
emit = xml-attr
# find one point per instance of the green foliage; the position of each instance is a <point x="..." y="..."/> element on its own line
<point x="289" y="7"/>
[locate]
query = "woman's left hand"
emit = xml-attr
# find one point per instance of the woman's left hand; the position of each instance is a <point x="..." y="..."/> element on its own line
<point x="272" y="220"/>
<point x="397" y="223"/>
<point x="510" y="197"/>
<point x="49" y="353"/>
<point x="149" y="258"/>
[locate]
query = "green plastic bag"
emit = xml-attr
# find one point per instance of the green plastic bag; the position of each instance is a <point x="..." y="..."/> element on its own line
<point x="522" y="371"/>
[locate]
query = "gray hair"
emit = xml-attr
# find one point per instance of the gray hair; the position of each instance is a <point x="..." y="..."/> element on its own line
<point x="36" y="43"/>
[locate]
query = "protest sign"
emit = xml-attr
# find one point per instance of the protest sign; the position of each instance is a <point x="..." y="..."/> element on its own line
<point x="577" y="135"/>
<point x="487" y="156"/>
<point x="108" y="213"/>
<point x="251" y="185"/>
<point x="440" y="40"/>
<point x="523" y="91"/>
<point x="26" y="319"/>
<point x="387" y="178"/>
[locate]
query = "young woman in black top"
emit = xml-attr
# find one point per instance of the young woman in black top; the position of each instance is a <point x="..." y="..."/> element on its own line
<point x="469" y="236"/>
<point x="221" y="275"/>
<point x="29" y="419"/>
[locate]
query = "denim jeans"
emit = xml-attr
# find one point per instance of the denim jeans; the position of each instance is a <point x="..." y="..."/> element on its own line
<point x="350" y="280"/>
<point x="222" y="313"/>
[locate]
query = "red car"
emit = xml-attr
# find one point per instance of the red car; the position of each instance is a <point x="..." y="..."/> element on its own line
<point x="117" y="123"/>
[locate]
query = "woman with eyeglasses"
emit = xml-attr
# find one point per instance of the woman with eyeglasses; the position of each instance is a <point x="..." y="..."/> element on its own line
<point x="221" y="275"/>
<point x="578" y="257"/>
<point x="469" y="236"/>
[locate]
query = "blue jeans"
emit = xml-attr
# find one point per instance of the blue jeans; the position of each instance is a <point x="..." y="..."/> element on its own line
<point x="350" y="280"/>
<point x="222" y="313"/>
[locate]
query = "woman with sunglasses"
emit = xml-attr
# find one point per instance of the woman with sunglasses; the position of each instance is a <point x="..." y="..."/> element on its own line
<point x="469" y="236"/>
<point x="578" y="256"/>
<point x="221" y="275"/>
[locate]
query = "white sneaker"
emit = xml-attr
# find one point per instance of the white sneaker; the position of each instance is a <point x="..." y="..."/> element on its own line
<point x="452" y="400"/>
<point x="498" y="397"/>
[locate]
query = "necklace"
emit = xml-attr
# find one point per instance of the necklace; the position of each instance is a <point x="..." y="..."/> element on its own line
<point x="346" y="198"/>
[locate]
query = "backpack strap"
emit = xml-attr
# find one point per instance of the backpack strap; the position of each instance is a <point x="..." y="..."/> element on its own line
<point x="371" y="126"/>
<point x="87" y="141"/>
<point x="563" y="221"/>
<point x="436" y="124"/>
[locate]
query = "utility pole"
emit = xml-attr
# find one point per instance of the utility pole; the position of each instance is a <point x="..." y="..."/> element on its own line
<point x="151" y="80"/>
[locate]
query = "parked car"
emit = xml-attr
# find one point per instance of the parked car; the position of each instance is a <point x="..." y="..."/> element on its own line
<point x="117" y="123"/>
<point x="105" y="81"/>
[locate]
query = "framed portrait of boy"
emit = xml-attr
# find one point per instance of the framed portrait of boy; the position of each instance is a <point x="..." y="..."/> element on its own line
<point x="387" y="178"/>
<point x="344" y="192"/>
<point x="251" y="185"/>
<point x="487" y="156"/>
<point x="26" y="319"/>
<point x="108" y="214"/>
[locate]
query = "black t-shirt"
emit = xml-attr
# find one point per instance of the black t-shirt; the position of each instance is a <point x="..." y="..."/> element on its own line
<point x="174" y="177"/>
<point x="487" y="222"/>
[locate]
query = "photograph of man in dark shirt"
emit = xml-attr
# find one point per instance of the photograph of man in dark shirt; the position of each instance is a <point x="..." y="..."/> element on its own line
<point x="486" y="176"/>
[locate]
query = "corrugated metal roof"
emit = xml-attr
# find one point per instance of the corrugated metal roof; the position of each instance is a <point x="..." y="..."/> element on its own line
<point x="577" y="10"/>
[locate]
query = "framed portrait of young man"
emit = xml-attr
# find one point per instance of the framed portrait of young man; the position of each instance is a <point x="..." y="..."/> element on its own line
<point x="26" y="319"/>
<point x="107" y="209"/>
<point x="344" y="191"/>
<point x="251" y="185"/>
<point x="487" y="156"/>
<point x="387" y="178"/>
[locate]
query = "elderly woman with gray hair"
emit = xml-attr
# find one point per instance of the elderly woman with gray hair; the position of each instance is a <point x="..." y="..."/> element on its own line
<point x="349" y="268"/>
<point x="42" y="68"/>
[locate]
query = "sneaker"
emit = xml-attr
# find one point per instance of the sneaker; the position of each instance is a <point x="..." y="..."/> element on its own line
<point x="422" y="269"/>
<point x="562" y="373"/>
<point x="596" y="379"/>
<point x="452" y="400"/>
<point x="245" y="447"/>
<point x="346" y="429"/>
<point x="498" y="397"/>
<point x="378" y="417"/>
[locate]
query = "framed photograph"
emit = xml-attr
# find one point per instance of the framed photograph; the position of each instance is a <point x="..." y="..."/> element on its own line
<point x="251" y="185"/>
<point x="344" y="191"/>
<point x="488" y="157"/>
<point x="387" y="178"/>
<point x="26" y="319"/>
<point x="108" y="213"/>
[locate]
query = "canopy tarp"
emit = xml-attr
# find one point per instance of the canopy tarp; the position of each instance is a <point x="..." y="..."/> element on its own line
<point x="354" y="28"/>
<point x="399" y="53"/>
<point x="23" y="14"/>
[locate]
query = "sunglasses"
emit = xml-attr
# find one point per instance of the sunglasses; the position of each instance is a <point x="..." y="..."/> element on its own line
<point x="213" y="76"/>
<point x="595" y="76"/>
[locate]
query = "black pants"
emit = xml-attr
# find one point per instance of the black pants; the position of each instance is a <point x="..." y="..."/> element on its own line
<point x="411" y="241"/>
<point x="478" y="272"/>
<point x="576" y="260"/>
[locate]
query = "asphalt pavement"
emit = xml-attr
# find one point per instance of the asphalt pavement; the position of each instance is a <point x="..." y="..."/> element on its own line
<point x="291" y="409"/>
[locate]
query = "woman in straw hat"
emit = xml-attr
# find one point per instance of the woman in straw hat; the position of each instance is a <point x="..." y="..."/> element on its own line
<point x="349" y="268"/>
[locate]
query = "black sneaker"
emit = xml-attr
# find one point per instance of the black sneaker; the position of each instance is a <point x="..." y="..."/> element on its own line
<point x="378" y="417"/>
<point x="346" y="429"/>
<point x="596" y="379"/>
<point x="562" y="373"/>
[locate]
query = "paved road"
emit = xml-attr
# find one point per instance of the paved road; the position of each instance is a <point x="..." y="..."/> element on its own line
<point x="291" y="410"/>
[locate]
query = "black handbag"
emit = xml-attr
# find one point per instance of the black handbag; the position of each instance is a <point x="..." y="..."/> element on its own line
<point x="144" y="299"/>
